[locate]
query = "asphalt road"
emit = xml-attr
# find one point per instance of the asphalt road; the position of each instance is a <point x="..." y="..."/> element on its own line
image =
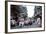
<point x="34" y="25"/>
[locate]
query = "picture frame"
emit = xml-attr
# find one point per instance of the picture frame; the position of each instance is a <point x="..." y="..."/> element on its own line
<point x="23" y="3"/>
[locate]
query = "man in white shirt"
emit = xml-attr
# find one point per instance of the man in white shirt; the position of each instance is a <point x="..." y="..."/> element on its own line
<point x="38" y="21"/>
<point x="21" y="21"/>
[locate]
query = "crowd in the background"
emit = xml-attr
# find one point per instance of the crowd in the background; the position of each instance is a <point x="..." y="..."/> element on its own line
<point x="21" y="22"/>
<point x="24" y="22"/>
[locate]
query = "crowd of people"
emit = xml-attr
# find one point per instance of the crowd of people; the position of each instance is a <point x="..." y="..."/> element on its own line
<point x="21" y="22"/>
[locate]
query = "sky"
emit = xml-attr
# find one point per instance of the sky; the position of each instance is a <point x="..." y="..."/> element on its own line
<point x="30" y="10"/>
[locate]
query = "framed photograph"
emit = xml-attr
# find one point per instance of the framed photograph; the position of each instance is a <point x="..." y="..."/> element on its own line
<point x="21" y="16"/>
